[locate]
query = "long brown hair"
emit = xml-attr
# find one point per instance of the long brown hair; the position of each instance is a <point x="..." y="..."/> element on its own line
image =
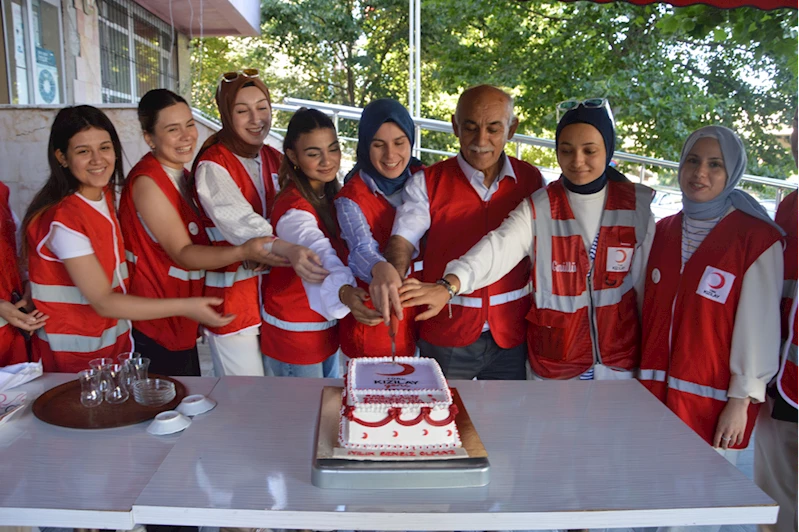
<point x="304" y="121"/>
<point x="69" y="122"/>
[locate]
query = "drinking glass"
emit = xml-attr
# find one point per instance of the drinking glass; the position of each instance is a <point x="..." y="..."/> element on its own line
<point x="117" y="391"/>
<point x="90" y="394"/>
<point x="101" y="364"/>
<point x="124" y="359"/>
<point x="138" y="367"/>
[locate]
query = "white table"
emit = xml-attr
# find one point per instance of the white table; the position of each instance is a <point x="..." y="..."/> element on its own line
<point x="56" y="476"/>
<point x="563" y="455"/>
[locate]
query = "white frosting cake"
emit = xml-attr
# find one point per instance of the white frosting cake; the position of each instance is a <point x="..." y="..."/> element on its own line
<point x="397" y="403"/>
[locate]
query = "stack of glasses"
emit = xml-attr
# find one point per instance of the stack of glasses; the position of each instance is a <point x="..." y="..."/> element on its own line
<point x="153" y="392"/>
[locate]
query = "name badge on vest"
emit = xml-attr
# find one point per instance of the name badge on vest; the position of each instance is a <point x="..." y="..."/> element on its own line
<point x="619" y="259"/>
<point x="715" y="284"/>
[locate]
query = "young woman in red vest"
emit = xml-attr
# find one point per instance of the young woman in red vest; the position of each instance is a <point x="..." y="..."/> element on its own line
<point x="235" y="181"/>
<point x="776" y="443"/>
<point x="76" y="253"/>
<point x="299" y="334"/>
<point x="588" y="236"/>
<point x="711" y="332"/>
<point x="16" y="314"/>
<point x="168" y="252"/>
<point x="365" y="207"/>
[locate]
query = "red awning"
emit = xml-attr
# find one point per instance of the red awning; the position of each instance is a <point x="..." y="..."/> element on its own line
<point x="723" y="4"/>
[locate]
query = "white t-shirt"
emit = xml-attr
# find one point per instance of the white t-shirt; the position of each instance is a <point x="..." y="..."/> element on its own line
<point x="68" y="244"/>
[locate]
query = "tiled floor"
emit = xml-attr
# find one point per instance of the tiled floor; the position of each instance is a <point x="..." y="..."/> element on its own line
<point x="745" y="461"/>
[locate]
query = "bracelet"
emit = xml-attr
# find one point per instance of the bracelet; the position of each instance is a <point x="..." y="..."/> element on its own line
<point x="446" y="284"/>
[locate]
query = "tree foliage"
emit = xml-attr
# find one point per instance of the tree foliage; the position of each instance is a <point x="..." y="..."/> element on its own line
<point x="665" y="70"/>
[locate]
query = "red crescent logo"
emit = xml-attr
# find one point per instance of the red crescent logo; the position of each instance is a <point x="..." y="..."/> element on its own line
<point x="407" y="369"/>
<point x="623" y="258"/>
<point x="722" y="280"/>
<point x="449" y="433"/>
<point x="424" y="432"/>
<point x="365" y="435"/>
<point x="395" y="434"/>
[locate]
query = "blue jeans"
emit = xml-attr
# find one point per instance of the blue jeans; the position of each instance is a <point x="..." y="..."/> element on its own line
<point x="327" y="368"/>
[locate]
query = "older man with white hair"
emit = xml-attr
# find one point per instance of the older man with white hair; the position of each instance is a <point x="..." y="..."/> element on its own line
<point x="449" y="207"/>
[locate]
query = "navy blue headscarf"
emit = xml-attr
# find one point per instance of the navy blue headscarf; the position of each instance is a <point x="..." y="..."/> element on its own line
<point x="375" y="115"/>
<point x="599" y="118"/>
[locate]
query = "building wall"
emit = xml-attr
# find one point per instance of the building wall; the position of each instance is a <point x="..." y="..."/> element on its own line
<point x="24" y="133"/>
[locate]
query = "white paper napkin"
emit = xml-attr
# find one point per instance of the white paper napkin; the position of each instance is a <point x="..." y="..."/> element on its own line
<point x="17" y="374"/>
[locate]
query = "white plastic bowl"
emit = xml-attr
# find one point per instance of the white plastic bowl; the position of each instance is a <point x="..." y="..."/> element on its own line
<point x="168" y="422"/>
<point x="193" y="405"/>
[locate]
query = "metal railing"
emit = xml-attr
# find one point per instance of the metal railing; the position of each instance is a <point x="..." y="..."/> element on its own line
<point x="339" y="112"/>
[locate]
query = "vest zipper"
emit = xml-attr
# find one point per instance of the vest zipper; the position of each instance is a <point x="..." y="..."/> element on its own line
<point x="592" y="332"/>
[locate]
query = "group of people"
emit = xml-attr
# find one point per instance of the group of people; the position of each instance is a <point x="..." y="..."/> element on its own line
<point x="473" y="260"/>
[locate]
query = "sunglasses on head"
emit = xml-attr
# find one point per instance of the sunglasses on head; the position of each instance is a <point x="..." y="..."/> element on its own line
<point x="588" y="103"/>
<point x="227" y="77"/>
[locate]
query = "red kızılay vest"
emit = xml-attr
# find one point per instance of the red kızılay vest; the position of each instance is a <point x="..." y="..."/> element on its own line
<point x="358" y="339"/>
<point x="787" y="377"/>
<point x="74" y="334"/>
<point x="459" y="218"/>
<point x="291" y="332"/>
<point x="153" y="273"/>
<point x="12" y="344"/>
<point x="573" y="325"/>
<point x="689" y="319"/>
<point x="236" y="285"/>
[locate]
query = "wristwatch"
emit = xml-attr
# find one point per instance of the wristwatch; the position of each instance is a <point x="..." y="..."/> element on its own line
<point x="446" y="284"/>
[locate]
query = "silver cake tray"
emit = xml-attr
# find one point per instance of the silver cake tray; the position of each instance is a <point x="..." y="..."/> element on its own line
<point x="329" y="472"/>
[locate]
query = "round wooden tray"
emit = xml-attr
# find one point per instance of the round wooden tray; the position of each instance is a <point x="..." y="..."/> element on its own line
<point x="61" y="406"/>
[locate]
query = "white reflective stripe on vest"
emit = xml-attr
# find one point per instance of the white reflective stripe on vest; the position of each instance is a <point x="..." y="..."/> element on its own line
<point x="513" y="295"/>
<point x="58" y="294"/>
<point x="297" y="326"/>
<point x="214" y="234"/>
<point x="186" y="275"/>
<point x="616" y="218"/>
<point x="228" y="279"/>
<point x="789" y="288"/>
<point x="496" y="299"/>
<point x="697" y="389"/>
<point x="75" y="343"/>
<point x="466" y="301"/>
<point x="602" y="298"/>
<point x="131" y="257"/>
<point x="652" y="375"/>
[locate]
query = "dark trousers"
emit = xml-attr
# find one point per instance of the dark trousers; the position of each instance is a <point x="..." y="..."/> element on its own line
<point x="165" y="362"/>
<point x="483" y="359"/>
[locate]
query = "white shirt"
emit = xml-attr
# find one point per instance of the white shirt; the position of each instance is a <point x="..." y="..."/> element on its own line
<point x="226" y="206"/>
<point x="413" y="216"/>
<point x="68" y="244"/>
<point x="299" y="227"/>
<point x="500" y="251"/>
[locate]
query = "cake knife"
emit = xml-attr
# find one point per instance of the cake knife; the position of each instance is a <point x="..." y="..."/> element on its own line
<point x="392" y="332"/>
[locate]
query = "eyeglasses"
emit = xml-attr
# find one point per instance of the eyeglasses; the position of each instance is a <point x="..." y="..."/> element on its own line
<point x="588" y="103"/>
<point x="227" y="77"/>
